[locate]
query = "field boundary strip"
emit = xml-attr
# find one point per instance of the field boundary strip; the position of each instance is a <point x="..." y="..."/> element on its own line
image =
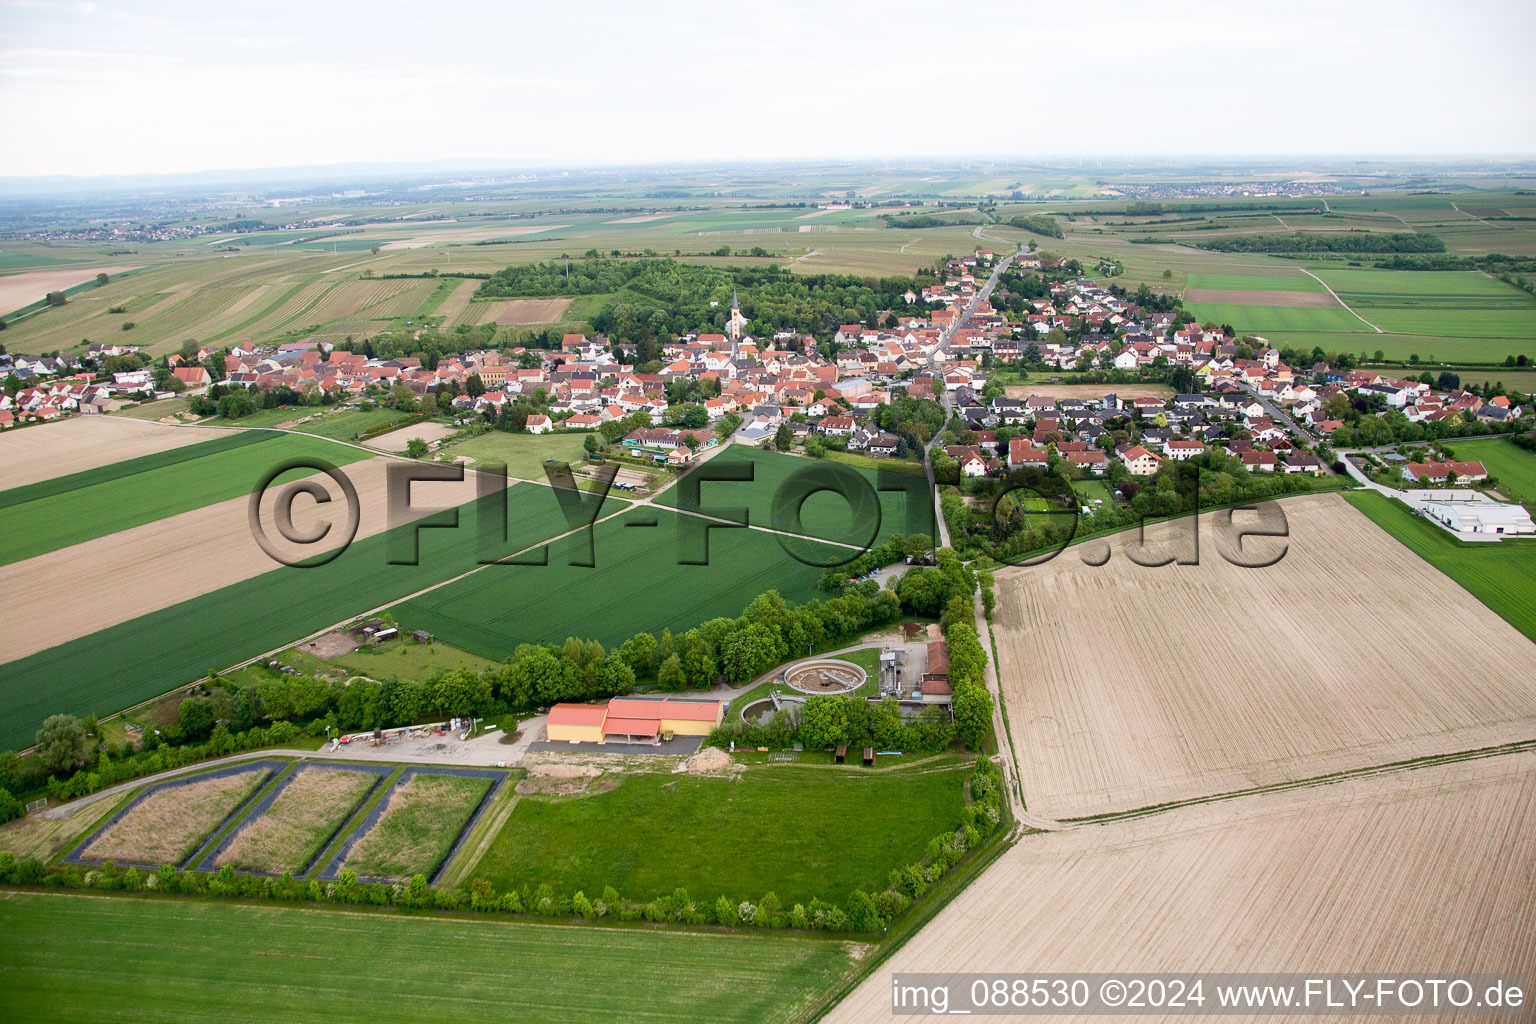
<point x="497" y="777"/>
<point x="1412" y="764"/>
<point x="379" y="771"/>
<point x="264" y="764"/>
<point x="132" y="467"/>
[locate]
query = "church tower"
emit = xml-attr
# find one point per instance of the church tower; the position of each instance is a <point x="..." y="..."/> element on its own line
<point x="734" y="325"/>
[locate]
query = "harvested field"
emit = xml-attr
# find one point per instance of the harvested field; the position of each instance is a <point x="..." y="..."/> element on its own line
<point x="531" y="311"/>
<point x="165" y="826"/>
<point x="18" y="290"/>
<point x="642" y="218"/>
<point x="216" y="539"/>
<point x="1315" y="300"/>
<point x="1089" y="390"/>
<point x="307" y="812"/>
<point x="396" y="440"/>
<point x="450" y="234"/>
<point x="1378" y="874"/>
<point x="86" y="442"/>
<point x="420" y="820"/>
<point x="1214" y="678"/>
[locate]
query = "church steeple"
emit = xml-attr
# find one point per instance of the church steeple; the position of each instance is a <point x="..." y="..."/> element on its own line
<point x="734" y="325"/>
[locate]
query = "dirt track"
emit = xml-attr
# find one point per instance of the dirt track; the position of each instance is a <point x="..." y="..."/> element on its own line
<point x="1390" y="873"/>
<point x="78" y="443"/>
<point x="1129" y="686"/>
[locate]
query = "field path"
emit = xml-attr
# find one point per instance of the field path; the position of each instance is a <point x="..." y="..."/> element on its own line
<point x="1340" y="301"/>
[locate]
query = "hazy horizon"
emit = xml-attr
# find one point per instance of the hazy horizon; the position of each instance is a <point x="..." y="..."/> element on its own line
<point x="160" y="87"/>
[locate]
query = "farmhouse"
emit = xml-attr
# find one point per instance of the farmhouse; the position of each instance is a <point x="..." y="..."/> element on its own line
<point x="634" y="719"/>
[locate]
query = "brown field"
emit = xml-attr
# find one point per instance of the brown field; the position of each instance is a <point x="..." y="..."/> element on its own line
<point x="125" y="583"/>
<point x="422" y="238"/>
<point x="517" y="311"/>
<point x="29" y="286"/>
<point x="395" y="440"/>
<point x="457" y="303"/>
<point x="1388" y="873"/>
<point x="78" y="443"/>
<point x="1128" y="687"/>
<point x="642" y="218"/>
<point x="305" y="813"/>
<point x="1311" y="300"/>
<point x="166" y="825"/>
<point x="1089" y="390"/>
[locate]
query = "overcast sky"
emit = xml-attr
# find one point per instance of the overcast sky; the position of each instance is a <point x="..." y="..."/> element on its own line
<point x="161" y="85"/>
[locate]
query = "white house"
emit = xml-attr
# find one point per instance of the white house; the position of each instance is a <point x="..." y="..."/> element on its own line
<point x="538" y="423"/>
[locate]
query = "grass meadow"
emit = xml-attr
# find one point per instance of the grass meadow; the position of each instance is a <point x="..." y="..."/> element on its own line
<point x="798" y="832"/>
<point x="168" y="823"/>
<point x="313" y="803"/>
<point x="524" y="454"/>
<point x="1501" y="575"/>
<point x="77" y="958"/>
<point x="421" y="818"/>
<point x="144" y="657"/>
<point x="98" y="502"/>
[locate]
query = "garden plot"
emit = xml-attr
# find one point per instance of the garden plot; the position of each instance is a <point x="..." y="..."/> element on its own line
<point x="417" y="827"/>
<point x="165" y="823"/>
<point x="287" y="830"/>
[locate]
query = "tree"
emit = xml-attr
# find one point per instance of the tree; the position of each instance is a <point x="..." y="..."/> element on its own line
<point x="403" y="398"/>
<point x="728" y="425"/>
<point x="591" y="444"/>
<point x="56" y="298"/>
<point x="670" y="675"/>
<point x="62" y="744"/>
<point x="973" y="714"/>
<point x="783" y="438"/>
<point x="102" y="278"/>
<point x="416" y="448"/>
<point x="639" y="652"/>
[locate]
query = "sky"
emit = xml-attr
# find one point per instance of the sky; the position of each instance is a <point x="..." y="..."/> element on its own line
<point x="159" y="86"/>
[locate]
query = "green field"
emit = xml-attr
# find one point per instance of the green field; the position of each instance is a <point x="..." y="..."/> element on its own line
<point x="1429" y="348"/>
<point x="144" y="657"/>
<point x="1266" y="320"/>
<point x="1501" y="575"/>
<point x="1455" y="304"/>
<point x="76" y="958"/>
<point x="524" y="454"/>
<point x="98" y="502"/>
<point x="798" y="832"/>
<point x="1294" y="282"/>
<point x="348" y="423"/>
<point x="1513" y="466"/>
<point x="826" y="515"/>
<point x="637" y="585"/>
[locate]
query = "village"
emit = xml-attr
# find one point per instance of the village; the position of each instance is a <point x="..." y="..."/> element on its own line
<point x="1236" y="396"/>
